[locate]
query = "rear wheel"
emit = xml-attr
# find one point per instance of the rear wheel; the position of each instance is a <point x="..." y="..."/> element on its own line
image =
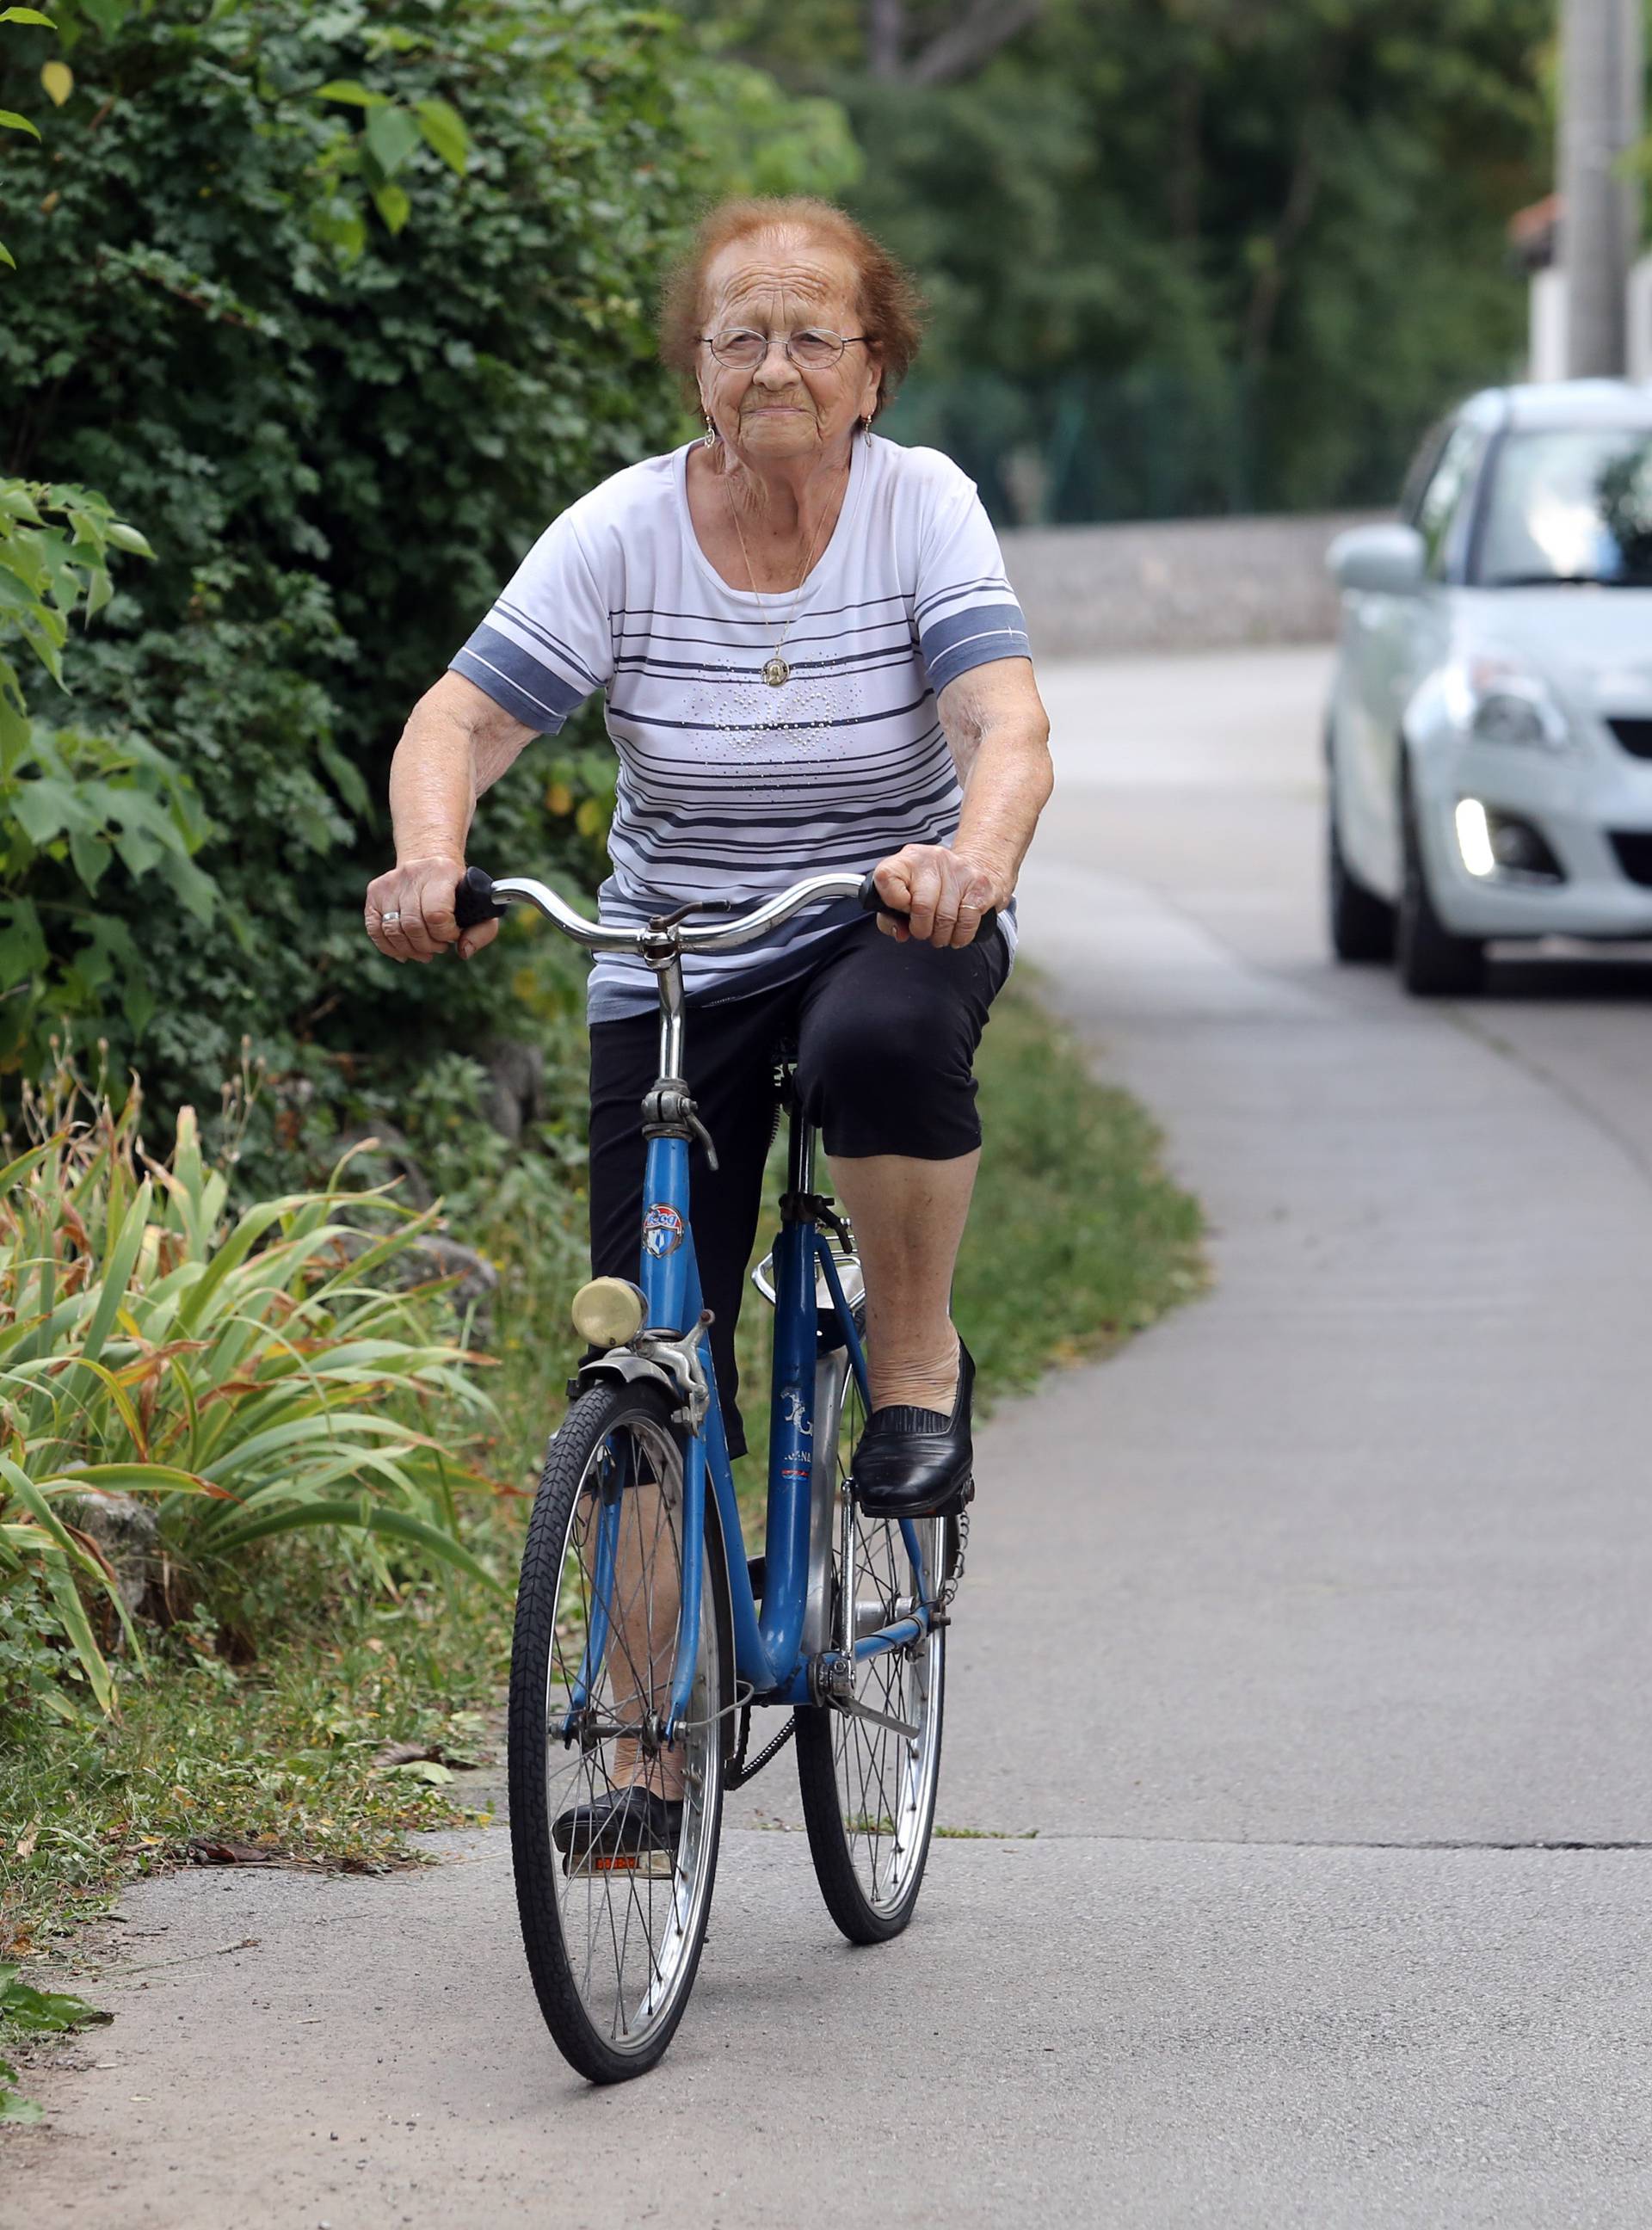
<point x="1433" y="962"/>
<point x="613" y="1926"/>
<point x="868" y="1773"/>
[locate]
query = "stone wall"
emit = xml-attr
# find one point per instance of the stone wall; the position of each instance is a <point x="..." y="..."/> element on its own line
<point x="1179" y="584"/>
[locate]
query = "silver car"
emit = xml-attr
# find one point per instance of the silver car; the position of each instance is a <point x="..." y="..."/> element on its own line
<point x="1490" y="727"/>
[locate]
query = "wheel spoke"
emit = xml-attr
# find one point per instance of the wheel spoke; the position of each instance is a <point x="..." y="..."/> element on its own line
<point x="885" y="1781"/>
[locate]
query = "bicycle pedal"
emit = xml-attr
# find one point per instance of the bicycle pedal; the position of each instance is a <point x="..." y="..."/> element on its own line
<point x="647" y="1866"/>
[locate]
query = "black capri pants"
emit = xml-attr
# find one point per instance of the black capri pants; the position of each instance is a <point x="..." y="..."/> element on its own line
<point x="885" y="1035"/>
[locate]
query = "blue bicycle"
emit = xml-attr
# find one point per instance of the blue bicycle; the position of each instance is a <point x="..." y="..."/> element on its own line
<point x="645" y="1637"/>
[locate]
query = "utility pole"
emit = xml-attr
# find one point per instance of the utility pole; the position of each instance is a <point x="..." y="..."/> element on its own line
<point x="1602" y="108"/>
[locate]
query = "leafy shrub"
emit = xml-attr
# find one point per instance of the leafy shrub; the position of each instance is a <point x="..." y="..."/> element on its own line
<point x="43" y="1565"/>
<point x="72" y="805"/>
<point x="250" y="1371"/>
<point x="380" y="278"/>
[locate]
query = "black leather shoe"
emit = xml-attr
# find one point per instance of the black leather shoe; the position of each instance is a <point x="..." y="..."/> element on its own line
<point x="918" y="1463"/>
<point x="621" y="1822"/>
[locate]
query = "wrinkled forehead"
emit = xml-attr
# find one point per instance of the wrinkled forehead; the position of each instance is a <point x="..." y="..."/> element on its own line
<point x="769" y="279"/>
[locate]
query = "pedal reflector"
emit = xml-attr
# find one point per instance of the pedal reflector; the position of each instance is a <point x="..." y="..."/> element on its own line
<point x="652" y="1865"/>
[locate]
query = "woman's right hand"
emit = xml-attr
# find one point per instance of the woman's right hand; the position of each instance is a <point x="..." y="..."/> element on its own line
<point x="409" y="915"/>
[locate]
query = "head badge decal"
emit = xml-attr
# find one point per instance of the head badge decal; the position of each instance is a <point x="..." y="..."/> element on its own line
<point x="661" y="1228"/>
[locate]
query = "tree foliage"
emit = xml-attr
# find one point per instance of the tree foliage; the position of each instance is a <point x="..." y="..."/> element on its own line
<point x="1186" y="255"/>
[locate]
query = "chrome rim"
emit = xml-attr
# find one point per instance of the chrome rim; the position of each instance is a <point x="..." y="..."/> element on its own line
<point x="885" y="1780"/>
<point x="630" y="1935"/>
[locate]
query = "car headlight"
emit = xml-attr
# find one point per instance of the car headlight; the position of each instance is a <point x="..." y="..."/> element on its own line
<point x="1499" y="701"/>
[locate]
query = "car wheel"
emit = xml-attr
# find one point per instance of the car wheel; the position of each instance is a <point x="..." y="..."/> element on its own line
<point x="1433" y="964"/>
<point x="1361" y="923"/>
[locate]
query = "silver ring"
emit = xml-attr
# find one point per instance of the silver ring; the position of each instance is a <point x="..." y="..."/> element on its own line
<point x="390" y="917"/>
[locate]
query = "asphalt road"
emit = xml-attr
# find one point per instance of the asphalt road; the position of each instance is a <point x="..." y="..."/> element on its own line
<point x="1310" y="1635"/>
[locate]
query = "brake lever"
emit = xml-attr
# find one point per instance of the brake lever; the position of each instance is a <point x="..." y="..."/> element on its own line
<point x="691" y="1116"/>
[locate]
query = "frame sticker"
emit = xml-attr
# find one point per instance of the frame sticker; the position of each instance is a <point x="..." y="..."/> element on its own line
<point x="661" y="1228"/>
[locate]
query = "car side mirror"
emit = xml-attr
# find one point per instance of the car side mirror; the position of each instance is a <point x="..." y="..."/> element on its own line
<point x="1387" y="560"/>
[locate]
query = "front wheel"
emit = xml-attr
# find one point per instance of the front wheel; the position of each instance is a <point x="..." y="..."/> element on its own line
<point x="1433" y="962"/>
<point x="614" y="1914"/>
<point x="867" y="1774"/>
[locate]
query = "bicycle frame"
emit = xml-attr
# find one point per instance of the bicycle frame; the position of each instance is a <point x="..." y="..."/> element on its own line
<point x="777" y="1659"/>
<point x="769" y="1637"/>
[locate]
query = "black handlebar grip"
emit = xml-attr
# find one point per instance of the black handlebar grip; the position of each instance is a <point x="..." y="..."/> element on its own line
<point x="872" y="903"/>
<point x="474" y="902"/>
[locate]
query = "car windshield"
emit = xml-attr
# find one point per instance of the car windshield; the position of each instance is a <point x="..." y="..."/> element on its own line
<point x="1571" y="506"/>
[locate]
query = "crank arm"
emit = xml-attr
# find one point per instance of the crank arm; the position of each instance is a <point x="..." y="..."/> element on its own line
<point x="852" y="1708"/>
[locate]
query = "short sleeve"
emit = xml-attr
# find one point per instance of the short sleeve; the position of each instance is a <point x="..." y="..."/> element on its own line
<point x="547" y="644"/>
<point x="965" y="610"/>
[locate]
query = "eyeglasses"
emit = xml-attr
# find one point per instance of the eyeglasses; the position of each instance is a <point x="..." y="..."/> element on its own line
<point x="742" y="350"/>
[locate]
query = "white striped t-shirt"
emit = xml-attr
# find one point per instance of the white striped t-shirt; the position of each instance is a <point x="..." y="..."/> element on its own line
<point x="729" y="788"/>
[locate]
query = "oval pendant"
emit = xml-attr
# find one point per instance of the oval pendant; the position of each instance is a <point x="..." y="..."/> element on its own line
<point x="776" y="671"/>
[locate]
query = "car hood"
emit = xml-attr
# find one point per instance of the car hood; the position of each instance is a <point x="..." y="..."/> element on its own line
<point x="1594" y="645"/>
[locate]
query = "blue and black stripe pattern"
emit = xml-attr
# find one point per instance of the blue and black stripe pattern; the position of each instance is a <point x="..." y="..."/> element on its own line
<point x="729" y="788"/>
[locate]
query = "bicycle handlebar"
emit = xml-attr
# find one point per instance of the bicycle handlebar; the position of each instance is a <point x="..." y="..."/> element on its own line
<point x="479" y="899"/>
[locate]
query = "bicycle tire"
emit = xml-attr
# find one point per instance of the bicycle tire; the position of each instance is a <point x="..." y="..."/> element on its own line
<point x="870" y="1864"/>
<point x="571" y="1906"/>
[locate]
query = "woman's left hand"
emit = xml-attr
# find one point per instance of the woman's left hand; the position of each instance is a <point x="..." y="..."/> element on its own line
<point x="943" y="893"/>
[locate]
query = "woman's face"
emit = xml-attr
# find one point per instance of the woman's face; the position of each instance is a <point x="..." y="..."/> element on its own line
<point x="781" y="411"/>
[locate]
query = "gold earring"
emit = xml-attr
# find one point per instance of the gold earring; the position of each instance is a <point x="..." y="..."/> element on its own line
<point x="866" y="425"/>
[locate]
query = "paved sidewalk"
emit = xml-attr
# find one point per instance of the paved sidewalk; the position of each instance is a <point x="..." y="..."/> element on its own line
<point x="1309" y="1633"/>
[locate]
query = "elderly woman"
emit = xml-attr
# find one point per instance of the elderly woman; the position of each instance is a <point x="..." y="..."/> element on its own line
<point x="811" y="662"/>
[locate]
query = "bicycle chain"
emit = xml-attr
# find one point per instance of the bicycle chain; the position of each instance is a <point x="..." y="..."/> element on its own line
<point x="739" y="1771"/>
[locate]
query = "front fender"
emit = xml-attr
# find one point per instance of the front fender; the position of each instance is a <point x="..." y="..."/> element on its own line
<point x="623" y="1366"/>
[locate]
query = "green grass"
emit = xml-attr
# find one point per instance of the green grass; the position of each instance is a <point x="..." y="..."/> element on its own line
<point x="1077" y="1240"/>
<point x="277" y="1757"/>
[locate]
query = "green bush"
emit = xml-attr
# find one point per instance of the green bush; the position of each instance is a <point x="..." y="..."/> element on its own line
<point x="345" y="302"/>
<point x="73" y="805"/>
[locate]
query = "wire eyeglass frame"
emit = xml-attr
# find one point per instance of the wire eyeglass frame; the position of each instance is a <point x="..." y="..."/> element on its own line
<point x="748" y="359"/>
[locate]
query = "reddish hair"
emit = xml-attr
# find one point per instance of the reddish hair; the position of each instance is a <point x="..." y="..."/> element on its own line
<point x="886" y="294"/>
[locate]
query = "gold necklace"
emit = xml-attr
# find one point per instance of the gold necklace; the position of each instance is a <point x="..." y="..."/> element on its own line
<point x="776" y="672"/>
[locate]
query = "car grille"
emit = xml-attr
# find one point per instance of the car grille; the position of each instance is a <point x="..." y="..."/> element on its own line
<point x="1633" y="732"/>
<point x="1634" y="850"/>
